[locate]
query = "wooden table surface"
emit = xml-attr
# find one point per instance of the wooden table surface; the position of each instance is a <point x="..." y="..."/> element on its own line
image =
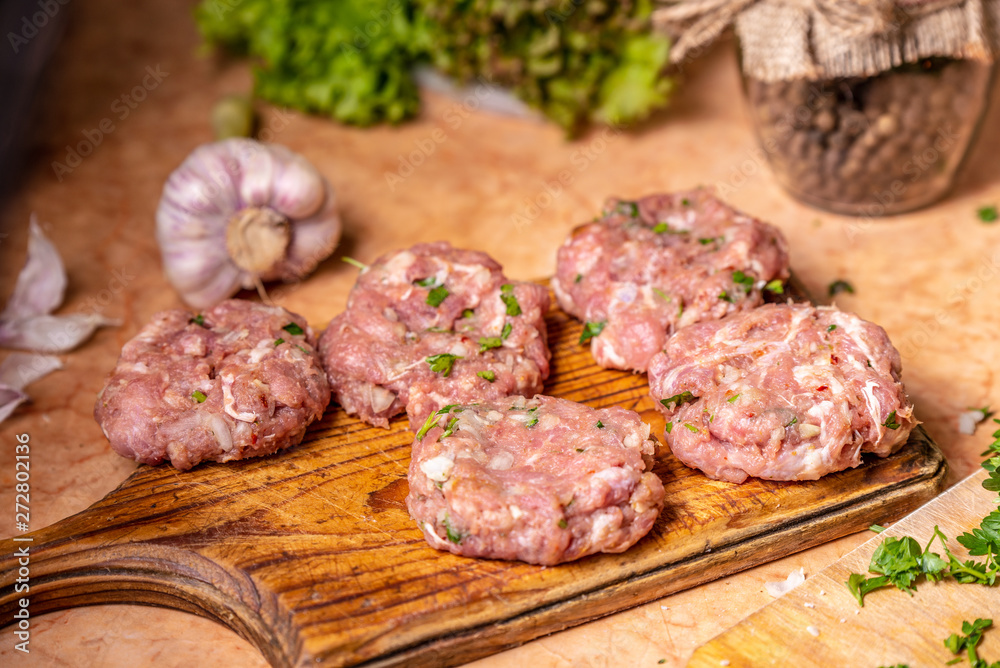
<point x="930" y="278"/>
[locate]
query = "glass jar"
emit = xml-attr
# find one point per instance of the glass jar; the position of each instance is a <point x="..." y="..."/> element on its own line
<point x="871" y="146"/>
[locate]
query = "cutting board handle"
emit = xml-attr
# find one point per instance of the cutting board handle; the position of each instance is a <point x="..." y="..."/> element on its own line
<point x="73" y="564"/>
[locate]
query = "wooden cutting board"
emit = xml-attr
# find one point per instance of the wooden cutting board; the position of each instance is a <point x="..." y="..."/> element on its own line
<point x="891" y="628"/>
<point x="312" y="557"/>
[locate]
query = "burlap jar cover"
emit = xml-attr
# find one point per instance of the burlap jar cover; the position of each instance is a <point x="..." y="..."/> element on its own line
<point x="825" y="39"/>
<point x="862" y="107"/>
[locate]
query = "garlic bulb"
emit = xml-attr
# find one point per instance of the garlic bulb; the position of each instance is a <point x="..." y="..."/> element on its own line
<point x="238" y="212"/>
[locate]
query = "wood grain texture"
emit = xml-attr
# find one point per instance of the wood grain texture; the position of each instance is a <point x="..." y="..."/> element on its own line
<point x="891" y="628"/>
<point x="312" y="556"/>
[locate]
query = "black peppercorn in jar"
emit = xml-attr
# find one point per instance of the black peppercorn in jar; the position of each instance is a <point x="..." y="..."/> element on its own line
<point x="871" y="146"/>
<point x="863" y="107"/>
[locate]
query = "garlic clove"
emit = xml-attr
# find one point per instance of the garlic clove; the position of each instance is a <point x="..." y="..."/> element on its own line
<point x="18" y="371"/>
<point x="257" y="177"/>
<point x="21" y="369"/>
<point x="51" y="333"/>
<point x="313" y="239"/>
<point x="299" y="189"/>
<point x="201" y="288"/>
<point x="25" y="322"/>
<point x="42" y="281"/>
<point x="207" y="186"/>
<point x="191" y="263"/>
<point x="174" y="226"/>
<point x="9" y="400"/>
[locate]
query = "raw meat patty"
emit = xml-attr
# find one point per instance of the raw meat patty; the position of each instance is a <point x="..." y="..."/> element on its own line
<point x="238" y="380"/>
<point x="783" y="392"/>
<point x="543" y="480"/>
<point x="435" y="325"/>
<point x="649" y="267"/>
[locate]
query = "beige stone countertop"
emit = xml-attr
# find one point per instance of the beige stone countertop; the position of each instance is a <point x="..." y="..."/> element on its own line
<point x="930" y="278"/>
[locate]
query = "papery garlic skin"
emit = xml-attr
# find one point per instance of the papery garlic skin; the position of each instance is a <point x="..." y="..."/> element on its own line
<point x="238" y="212"/>
<point x="17" y="371"/>
<point x="27" y="321"/>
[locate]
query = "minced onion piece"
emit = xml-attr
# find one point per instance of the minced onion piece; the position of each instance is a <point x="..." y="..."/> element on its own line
<point x="237" y="213"/>
<point x="807" y="430"/>
<point x="380" y="398"/>
<point x="777" y="589"/>
<point x="968" y="420"/>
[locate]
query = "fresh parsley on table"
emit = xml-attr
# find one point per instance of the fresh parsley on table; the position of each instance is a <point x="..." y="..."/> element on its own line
<point x="901" y="562"/>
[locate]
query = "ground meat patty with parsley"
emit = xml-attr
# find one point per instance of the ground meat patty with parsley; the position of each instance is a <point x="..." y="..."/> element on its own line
<point x="783" y="392"/>
<point x="435" y="325"/>
<point x="540" y="480"/>
<point x="650" y="267"/>
<point x="238" y="380"/>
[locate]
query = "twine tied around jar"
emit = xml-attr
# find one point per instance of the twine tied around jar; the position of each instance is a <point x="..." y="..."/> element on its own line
<point x="787" y="39"/>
